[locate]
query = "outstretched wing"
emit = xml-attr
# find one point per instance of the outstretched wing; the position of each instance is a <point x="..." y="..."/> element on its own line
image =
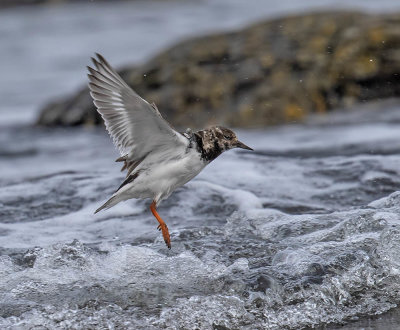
<point x="135" y="126"/>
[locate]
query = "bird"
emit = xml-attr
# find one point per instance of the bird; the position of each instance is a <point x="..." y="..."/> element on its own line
<point x="158" y="159"/>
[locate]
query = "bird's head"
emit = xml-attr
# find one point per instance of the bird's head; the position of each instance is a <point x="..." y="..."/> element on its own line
<point x="227" y="139"/>
<point x="216" y="140"/>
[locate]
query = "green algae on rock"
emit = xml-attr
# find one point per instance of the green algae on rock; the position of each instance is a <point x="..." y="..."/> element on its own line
<point x="269" y="73"/>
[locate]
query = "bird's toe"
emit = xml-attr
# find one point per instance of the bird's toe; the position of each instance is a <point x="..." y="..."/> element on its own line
<point x="165" y="233"/>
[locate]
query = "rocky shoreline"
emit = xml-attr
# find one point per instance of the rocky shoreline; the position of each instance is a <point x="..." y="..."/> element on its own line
<point x="272" y="72"/>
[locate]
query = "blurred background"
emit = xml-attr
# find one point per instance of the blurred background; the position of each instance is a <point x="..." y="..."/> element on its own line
<point x="301" y="233"/>
<point x="271" y="66"/>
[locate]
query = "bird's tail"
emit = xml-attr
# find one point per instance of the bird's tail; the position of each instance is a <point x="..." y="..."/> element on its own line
<point x="111" y="202"/>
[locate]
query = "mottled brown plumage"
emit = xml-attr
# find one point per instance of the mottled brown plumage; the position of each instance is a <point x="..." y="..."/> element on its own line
<point x="214" y="141"/>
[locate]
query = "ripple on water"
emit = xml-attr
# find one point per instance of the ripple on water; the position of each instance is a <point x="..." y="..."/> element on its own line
<point x="259" y="240"/>
<point x="252" y="273"/>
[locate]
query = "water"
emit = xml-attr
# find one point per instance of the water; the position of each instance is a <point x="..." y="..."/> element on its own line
<point x="303" y="232"/>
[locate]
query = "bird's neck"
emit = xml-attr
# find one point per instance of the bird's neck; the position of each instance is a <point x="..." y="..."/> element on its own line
<point x="207" y="145"/>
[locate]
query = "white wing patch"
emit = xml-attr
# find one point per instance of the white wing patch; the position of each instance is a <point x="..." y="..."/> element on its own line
<point x="135" y="126"/>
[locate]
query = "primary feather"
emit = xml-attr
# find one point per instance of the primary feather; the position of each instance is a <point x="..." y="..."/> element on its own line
<point x="136" y="127"/>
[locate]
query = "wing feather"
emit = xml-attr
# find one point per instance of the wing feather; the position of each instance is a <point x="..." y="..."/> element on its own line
<point x="135" y="126"/>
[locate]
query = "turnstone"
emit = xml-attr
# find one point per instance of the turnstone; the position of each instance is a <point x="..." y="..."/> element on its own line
<point x="157" y="158"/>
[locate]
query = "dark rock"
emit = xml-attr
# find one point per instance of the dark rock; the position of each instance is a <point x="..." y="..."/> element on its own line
<point x="270" y="73"/>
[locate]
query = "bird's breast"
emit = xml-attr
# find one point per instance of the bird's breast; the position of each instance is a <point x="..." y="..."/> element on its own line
<point x="162" y="176"/>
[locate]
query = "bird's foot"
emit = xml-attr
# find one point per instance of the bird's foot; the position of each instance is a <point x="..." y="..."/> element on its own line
<point x="164" y="229"/>
<point x="162" y="226"/>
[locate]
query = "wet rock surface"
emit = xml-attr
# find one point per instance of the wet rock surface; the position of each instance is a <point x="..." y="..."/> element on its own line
<point x="272" y="72"/>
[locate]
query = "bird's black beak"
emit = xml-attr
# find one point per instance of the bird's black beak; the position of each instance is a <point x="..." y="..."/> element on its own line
<point x="242" y="145"/>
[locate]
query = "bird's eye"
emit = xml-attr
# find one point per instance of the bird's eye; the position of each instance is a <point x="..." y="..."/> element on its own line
<point x="228" y="137"/>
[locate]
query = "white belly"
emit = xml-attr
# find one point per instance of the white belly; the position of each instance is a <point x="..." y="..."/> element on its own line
<point x="159" y="180"/>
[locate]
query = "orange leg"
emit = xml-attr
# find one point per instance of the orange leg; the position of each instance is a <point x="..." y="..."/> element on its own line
<point x="162" y="226"/>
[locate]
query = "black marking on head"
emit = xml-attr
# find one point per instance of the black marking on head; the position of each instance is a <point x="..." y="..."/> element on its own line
<point x="214" y="141"/>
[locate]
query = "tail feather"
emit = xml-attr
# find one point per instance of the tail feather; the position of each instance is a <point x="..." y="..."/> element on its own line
<point x="111" y="202"/>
